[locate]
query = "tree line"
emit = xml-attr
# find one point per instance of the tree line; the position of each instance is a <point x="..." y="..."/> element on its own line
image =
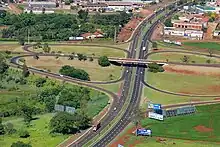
<point x="44" y="27"/>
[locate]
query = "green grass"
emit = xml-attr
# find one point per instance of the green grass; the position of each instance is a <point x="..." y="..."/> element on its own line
<point x="193" y="84"/>
<point x="151" y="142"/>
<point x="204" y="45"/>
<point x="111" y="87"/>
<point x="176" y="57"/>
<point x="95" y="71"/>
<point x="39" y="133"/>
<point x="183" y="127"/>
<point x="88" y="50"/>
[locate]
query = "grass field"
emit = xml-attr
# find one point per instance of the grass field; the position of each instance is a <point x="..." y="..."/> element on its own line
<point x="194" y="84"/>
<point x="11" y="47"/>
<point x="96" y="72"/>
<point x="206" y="116"/>
<point x="176" y="57"/>
<point x="39" y="133"/>
<point x="88" y="50"/>
<point x="204" y="45"/>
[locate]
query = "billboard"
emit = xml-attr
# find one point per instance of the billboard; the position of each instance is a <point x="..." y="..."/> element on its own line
<point x="157" y="106"/>
<point x="186" y="110"/>
<point x="155" y="116"/>
<point x="143" y="132"/>
<point x="59" y="107"/>
<point x="154" y="106"/>
<point x="70" y="109"/>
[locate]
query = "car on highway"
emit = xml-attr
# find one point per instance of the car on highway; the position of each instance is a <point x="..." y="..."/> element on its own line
<point x="61" y="75"/>
<point x="62" y="54"/>
<point x="144" y="48"/>
<point x="115" y="108"/>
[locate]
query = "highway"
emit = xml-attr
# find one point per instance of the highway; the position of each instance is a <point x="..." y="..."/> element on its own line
<point x="126" y="87"/>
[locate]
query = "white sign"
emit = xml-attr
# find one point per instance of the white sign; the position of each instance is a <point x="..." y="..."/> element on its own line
<point x="150" y="105"/>
<point x="155" y="116"/>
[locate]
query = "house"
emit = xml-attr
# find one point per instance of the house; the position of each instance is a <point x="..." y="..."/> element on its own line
<point x="40" y="4"/>
<point x="97" y="34"/>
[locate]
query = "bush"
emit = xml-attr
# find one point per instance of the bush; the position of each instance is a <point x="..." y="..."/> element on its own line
<point x="9" y="128"/>
<point x="75" y="73"/>
<point x="20" y="144"/>
<point x="154" y="67"/>
<point x="23" y="133"/>
<point x="103" y="61"/>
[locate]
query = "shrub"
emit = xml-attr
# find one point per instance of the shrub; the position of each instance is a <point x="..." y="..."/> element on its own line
<point x="23" y="133"/>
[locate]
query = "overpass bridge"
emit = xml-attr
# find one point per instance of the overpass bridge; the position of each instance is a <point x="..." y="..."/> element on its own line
<point x="135" y="61"/>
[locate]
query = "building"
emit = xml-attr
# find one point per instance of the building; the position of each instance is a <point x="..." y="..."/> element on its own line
<point x="192" y="22"/>
<point x="41" y="4"/>
<point x="38" y="11"/>
<point x="216" y="33"/>
<point x="97" y="34"/>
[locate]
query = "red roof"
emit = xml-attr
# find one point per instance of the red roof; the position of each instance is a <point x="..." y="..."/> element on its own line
<point x="86" y="35"/>
<point x="98" y="33"/>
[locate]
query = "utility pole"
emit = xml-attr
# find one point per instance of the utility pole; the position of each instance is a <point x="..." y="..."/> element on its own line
<point x="115" y="34"/>
<point x="28" y="36"/>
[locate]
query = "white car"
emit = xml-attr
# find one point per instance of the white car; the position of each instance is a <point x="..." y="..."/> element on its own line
<point x="61" y="75"/>
<point x="115" y="108"/>
<point x="62" y="54"/>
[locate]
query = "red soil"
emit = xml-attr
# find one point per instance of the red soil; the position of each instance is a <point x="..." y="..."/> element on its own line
<point x="201" y="128"/>
<point x="214" y="88"/>
<point x="182" y="71"/>
<point x="127" y="30"/>
<point x="217" y="98"/>
<point x="192" y="71"/>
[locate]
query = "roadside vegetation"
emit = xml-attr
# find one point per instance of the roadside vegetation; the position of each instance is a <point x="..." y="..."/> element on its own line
<point x="27" y="100"/>
<point x="204" y="45"/>
<point x="57" y="27"/>
<point x="184" y="58"/>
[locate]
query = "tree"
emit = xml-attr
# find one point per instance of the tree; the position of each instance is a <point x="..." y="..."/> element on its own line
<point x="154" y="45"/>
<point x="168" y="23"/>
<point x="63" y="122"/>
<point x="21" y="40"/>
<point x="210" y="52"/>
<point x="82" y="14"/>
<point x="40" y="82"/>
<point x="185" y="59"/>
<point x="27" y="112"/>
<point x="67" y="2"/>
<point x="9" y="128"/>
<point x="82" y="119"/>
<point x="2" y="131"/>
<point x="46" y="48"/>
<point x="103" y="61"/>
<point x="208" y="61"/>
<point x="25" y="71"/>
<point x="90" y="59"/>
<point x="20" y="144"/>
<point x="137" y="117"/>
<point x="74" y="73"/>
<point x="71" y="57"/>
<point x="3" y="66"/>
<point x="23" y="133"/>
<point x="81" y="57"/>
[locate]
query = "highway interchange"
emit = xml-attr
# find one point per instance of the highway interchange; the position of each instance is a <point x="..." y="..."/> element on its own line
<point x="129" y="75"/>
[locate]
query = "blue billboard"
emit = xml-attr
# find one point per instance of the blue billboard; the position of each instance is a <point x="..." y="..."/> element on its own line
<point x="143" y="132"/>
<point x="157" y="106"/>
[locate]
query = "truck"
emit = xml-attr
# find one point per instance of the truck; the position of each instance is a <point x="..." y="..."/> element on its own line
<point x="96" y="127"/>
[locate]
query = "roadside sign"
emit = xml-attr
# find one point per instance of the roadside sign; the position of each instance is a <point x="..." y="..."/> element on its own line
<point x="143" y="132"/>
<point x="155" y="116"/>
<point x="157" y="106"/>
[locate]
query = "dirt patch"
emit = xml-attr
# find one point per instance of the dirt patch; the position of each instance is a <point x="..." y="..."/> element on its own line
<point x="189" y="70"/>
<point x="156" y="36"/>
<point x="217" y="98"/>
<point x="145" y="12"/>
<point x="214" y="88"/>
<point x="127" y="30"/>
<point x="201" y="128"/>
